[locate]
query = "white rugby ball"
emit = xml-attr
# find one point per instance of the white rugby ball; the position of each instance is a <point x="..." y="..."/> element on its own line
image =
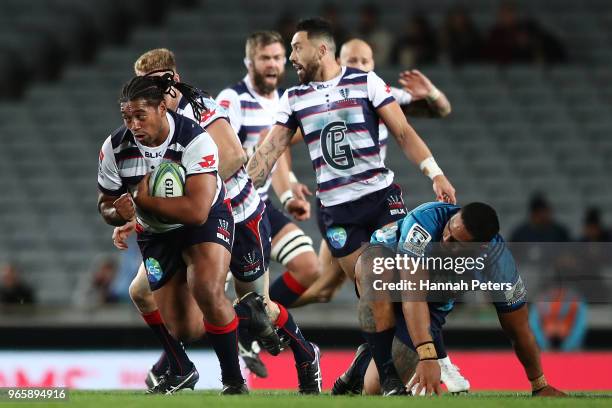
<point x="167" y="180"/>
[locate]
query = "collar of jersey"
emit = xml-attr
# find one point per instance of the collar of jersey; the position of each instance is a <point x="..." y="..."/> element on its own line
<point x="321" y="86"/>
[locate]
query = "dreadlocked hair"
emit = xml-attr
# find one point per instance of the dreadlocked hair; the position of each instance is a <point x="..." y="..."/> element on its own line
<point x="153" y="88"/>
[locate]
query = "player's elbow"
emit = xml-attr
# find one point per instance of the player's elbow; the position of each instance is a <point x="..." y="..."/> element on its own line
<point x="196" y="216"/>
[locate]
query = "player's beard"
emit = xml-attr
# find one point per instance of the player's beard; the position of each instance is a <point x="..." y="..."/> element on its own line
<point x="309" y="72"/>
<point x="262" y="85"/>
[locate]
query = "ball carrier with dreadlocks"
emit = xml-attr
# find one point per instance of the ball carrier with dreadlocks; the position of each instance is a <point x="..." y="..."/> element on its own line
<point x="187" y="256"/>
<point x="251" y="245"/>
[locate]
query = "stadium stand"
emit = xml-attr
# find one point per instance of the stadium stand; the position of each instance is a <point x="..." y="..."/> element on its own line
<point x="513" y="130"/>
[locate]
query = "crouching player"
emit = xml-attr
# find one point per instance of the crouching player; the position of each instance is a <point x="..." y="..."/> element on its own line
<point x="417" y="235"/>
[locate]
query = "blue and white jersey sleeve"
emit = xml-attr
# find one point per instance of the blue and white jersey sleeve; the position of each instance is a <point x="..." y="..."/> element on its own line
<point x="402" y="97"/>
<point x="379" y="93"/>
<point x="387" y="235"/>
<point x="212" y="113"/>
<point x="109" y="181"/>
<point x="229" y="100"/>
<point x="201" y="155"/>
<point x="285" y="115"/>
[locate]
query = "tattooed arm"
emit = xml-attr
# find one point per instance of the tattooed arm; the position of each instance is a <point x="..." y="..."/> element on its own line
<point x="268" y="153"/>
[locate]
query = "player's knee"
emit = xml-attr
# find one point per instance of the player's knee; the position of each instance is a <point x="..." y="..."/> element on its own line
<point x="325" y="295"/>
<point x="306" y="268"/>
<point x="142" y="297"/>
<point x="209" y="294"/>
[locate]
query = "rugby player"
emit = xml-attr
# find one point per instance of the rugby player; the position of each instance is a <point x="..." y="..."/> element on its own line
<point x="251" y="105"/>
<point x="416" y="235"/>
<point x="337" y="110"/>
<point x="251" y="245"/>
<point x="195" y="242"/>
<point x="418" y="98"/>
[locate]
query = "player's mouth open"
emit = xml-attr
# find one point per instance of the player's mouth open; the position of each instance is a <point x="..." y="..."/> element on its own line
<point x="298" y="67"/>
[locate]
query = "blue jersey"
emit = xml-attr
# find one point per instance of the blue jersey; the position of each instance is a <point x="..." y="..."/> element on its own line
<point x="424" y="225"/>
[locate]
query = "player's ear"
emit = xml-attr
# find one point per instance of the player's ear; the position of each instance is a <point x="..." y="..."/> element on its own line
<point x="162" y="108"/>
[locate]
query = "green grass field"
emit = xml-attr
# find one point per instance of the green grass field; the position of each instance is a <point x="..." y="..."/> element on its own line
<point x="282" y="399"/>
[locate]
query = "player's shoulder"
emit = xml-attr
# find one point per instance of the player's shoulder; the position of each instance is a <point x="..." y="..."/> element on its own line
<point x="185" y="129"/>
<point x="119" y="136"/>
<point x="352" y="74"/>
<point x="426" y="222"/>
<point x="434" y="209"/>
<point x="298" y="90"/>
<point x="239" y="87"/>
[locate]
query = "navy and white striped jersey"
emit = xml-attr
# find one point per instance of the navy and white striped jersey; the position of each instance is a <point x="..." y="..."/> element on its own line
<point x="240" y="190"/>
<point x="124" y="161"/>
<point x="340" y="126"/>
<point x="250" y="114"/>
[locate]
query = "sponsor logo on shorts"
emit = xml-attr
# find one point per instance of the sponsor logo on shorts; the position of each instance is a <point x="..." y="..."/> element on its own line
<point x="223" y="232"/>
<point x="417" y="240"/>
<point x="336" y="237"/>
<point x="154" y="270"/>
<point x="251" y="264"/>
<point x="396" y="205"/>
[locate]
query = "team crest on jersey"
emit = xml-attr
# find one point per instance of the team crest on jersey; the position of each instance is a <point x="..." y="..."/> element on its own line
<point x="154" y="270"/>
<point x="417" y="240"/>
<point x="336" y="237"/>
<point x="223" y="232"/>
<point x="251" y="264"/>
<point x="396" y="205"/>
<point x="345" y="93"/>
<point x="336" y="151"/>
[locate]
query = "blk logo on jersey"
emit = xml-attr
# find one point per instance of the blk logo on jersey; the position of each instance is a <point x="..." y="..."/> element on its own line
<point x="223" y="232"/>
<point x="396" y="205"/>
<point x="345" y="93"/>
<point x="336" y="151"/>
<point x="207" y="161"/>
<point x="155" y="155"/>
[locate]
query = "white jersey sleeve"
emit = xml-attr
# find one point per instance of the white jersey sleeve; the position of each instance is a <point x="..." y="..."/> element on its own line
<point x="229" y="100"/>
<point x="285" y="115"/>
<point x="213" y="112"/>
<point x="201" y="155"/>
<point x="402" y="97"/>
<point x="109" y="181"/>
<point x="379" y="92"/>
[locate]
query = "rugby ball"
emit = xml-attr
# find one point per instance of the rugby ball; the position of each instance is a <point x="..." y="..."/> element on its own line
<point x="167" y="180"/>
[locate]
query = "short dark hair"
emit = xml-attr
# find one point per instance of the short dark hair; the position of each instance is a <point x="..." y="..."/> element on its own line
<point x="481" y="221"/>
<point x="318" y="27"/>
